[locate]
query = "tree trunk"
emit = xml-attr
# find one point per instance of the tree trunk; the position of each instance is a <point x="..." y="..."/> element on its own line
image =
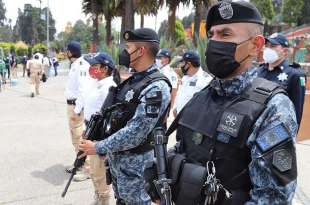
<point x="129" y="15"/>
<point x="197" y="20"/>
<point x="108" y="29"/>
<point x="171" y="22"/>
<point x="142" y="21"/>
<point x="95" y="19"/>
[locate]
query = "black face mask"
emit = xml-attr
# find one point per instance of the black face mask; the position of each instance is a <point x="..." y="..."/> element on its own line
<point x="124" y="58"/>
<point x="220" y="58"/>
<point x="184" y="69"/>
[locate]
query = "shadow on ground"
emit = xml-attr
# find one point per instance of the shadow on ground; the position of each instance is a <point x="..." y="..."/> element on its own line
<point x="55" y="174"/>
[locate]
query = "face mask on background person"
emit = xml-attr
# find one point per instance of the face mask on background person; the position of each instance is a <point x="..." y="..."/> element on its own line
<point x="270" y="55"/>
<point x="184" y="69"/>
<point x="220" y="58"/>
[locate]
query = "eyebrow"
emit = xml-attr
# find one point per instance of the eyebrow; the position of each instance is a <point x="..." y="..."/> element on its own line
<point x="221" y="31"/>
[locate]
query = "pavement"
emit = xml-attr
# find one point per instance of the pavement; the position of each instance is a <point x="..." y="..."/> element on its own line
<point x="35" y="148"/>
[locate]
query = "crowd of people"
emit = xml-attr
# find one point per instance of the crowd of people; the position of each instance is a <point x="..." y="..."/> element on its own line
<point x="236" y="121"/>
<point x="38" y="68"/>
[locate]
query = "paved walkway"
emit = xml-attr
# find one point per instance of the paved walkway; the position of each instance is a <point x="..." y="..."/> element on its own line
<point x="35" y="148"/>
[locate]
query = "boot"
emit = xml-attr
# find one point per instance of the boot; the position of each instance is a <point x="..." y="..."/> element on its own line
<point x="32" y="95"/>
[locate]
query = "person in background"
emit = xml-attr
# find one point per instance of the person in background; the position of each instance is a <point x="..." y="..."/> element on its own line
<point x="24" y="63"/>
<point x="55" y="65"/>
<point x="276" y="68"/>
<point x="35" y="68"/>
<point x="162" y="61"/>
<point x="102" y="69"/>
<point x="194" y="79"/>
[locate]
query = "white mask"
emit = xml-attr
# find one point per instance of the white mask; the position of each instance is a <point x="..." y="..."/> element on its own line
<point x="158" y="63"/>
<point x="270" y="55"/>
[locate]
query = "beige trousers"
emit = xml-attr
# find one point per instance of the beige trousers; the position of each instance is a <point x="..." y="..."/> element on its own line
<point x="76" y="126"/>
<point x="34" y="82"/>
<point x="97" y="174"/>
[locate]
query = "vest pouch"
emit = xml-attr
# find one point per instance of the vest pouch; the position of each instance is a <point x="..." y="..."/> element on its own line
<point x="190" y="185"/>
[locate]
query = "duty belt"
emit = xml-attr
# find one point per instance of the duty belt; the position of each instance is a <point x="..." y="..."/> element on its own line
<point x="71" y="101"/>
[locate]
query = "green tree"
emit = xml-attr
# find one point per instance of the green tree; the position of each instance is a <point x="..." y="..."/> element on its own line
<point x="173" y="5"/>
<point x="305" y="18"/>
<point x="147" y="7"/>
<point x="292" y="10"/>
<point x="266" y="8"/>
<point x="30" y="27"/>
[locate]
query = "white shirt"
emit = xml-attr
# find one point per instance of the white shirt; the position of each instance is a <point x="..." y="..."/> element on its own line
<point x="79" y="82"/>
<point x="189" y="86"/>
<point x="95" y="98"/>
<point x="171" y="75"/>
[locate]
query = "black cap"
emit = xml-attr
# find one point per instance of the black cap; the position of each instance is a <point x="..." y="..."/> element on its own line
<point x="141" y="35"/>
<point x="75" y="48"/>
<point x="191" y="56"/>
<point x="102" y="58"/>
<point x="278" y="39"/>
<point x="164" y="52"/>
<point x="226" y="12"/>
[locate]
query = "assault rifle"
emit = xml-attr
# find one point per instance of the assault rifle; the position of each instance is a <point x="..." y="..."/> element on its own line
<point x="162" y="183"/>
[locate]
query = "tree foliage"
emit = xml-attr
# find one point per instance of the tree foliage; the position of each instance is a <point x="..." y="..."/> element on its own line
<point x="30" y="27"/>
<point x="265" y="7"/>
<point x="292" y="10"/>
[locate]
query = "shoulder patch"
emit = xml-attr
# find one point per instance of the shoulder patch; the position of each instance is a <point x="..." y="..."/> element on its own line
<point x="282" y="160"/>
<point x="272" y="137"/>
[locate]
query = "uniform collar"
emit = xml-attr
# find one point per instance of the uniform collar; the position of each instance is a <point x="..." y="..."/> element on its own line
<point x="234" y="86"/>
<point x="140" y="75"/>
<point x="105" y="81"/>
<point x="283" y="65"/>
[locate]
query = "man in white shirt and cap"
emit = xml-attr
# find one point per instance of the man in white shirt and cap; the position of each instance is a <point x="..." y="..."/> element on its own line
<point x="163" y="61"/>
<point x="78" y="81"/>
<point x="194" y="80"/>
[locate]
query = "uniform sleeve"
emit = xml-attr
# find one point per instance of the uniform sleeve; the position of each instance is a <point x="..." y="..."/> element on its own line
<point x="79" y="103"/>
<point x="142" y="123"/>
<point x="296" y="92"/>
<point x="273" y="169"/>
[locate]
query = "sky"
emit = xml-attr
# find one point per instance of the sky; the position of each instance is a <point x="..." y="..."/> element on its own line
<point x="65" y="11"/>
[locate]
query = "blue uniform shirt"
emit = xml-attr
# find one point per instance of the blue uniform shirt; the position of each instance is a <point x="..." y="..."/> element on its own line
<point x="293" y="80"/>
<point x="279" y="120"/>
<point x="128" y="168"/>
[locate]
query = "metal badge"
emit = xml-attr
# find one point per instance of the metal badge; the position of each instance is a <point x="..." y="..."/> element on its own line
<point x="282" y="160"/>
<point x="197" y="138"/>
<point x="226" y="10"/>
<point x="282" y="77"/>
<point x="129" y="95"/>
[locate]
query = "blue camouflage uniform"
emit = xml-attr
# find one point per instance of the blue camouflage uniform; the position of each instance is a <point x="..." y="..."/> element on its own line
<point x="279" y="112"/>
<point x="128" y="168"/>
<point x="292" y="79"/>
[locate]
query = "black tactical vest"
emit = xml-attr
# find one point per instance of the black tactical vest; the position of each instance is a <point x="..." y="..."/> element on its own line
<point x="209" y="118"/>
<point x="127" y="97"/>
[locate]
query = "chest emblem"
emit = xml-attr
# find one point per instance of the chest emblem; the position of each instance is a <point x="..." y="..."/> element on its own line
<point x="282" y="77"/>
<point x="129" y="95"/>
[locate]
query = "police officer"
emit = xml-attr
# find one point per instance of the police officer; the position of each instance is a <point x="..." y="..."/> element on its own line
<point x="143" y="102"/>
<point x="194" y="79"/>
<point x="162" y="61"/>
<point x="35" y="68"/>
<point x="277" y="69"/>
<point x="78" y="79"/>
<point x="102" y="69"/>
<point x="236" y="138"/>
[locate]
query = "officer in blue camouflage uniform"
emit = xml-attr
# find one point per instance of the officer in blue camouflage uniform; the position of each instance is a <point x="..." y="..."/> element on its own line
<point x="128" y="147"/>
<point x="277" y="69"/>
<point x="236" y="138"/>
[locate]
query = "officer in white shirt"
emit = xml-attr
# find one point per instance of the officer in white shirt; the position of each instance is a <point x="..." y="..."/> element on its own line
<point x="194" y="80"/>
<point x="103" y="70"/>
<point x="162" y="61"/>
<point x="78" y="80"/>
